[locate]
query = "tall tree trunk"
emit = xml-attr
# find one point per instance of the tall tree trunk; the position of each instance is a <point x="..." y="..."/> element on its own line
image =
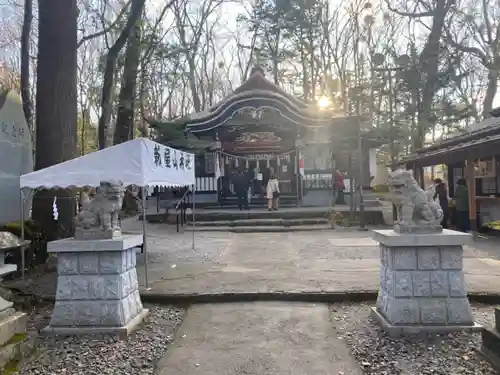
<point x="109" y="72"/>
<point x="125" y="128"/>
<point x="491" y="91"/>
<point x="192" y="82"/>
<point x="56" y="113"/>
<point x="25" y="63"/>
<point x="429" y="60"/>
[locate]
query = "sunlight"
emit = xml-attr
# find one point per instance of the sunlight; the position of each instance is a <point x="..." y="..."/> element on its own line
<point x="323" y="102"/>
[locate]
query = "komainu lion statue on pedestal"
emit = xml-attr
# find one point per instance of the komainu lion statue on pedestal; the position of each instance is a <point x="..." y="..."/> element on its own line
<point x="99" y="217"/>
<point x="416" y="209"/>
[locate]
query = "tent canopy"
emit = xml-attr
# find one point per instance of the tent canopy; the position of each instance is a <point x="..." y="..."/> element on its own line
<point x="139" y="162"/>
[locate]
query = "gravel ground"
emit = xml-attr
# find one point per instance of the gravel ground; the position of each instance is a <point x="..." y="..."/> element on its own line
<point x="104" y="355"/>
<point x="452" y="354"/>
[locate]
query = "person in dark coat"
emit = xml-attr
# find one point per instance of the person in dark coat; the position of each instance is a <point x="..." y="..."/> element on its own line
<point x="241" y="184"/>
<point x="442" y="194"/>
<point x="462" y="205"/>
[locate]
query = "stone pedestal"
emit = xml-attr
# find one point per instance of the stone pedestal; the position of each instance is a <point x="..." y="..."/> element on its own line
<point x="422" y="288"/>
<point x="97" y="287"/>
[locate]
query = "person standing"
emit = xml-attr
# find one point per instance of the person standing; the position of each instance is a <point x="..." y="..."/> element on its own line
<point x="272" y="193"/>
<point x="462" y="205"/>
<point x="441" y="193"/>
<point x="241" y="185"/>
<point x="339" y="187"/>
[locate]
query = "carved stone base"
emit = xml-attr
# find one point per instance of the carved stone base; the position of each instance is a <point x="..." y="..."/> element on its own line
<point x="418" y="229"/>
<point x="96" y="234"/>
<point x="422" y="285"/>
<point x="398" y="330"/>
<point x="97" y="291"/>
<point x="122" y="331"/>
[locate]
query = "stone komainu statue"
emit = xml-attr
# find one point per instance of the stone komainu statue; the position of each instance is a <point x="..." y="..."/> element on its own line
<point x="99" y="217"/>
<point x="415" y="207"/>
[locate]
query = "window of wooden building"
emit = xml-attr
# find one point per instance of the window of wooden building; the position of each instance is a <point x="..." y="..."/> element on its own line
<point x="487" y="172"/>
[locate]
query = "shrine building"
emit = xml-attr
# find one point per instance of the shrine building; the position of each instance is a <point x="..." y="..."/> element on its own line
<point x="263" y="129"/>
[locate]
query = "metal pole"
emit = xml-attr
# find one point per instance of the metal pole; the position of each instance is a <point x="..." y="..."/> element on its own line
<point x="193" y="213"/>
<point x="351" y="188"/>
<point x="391" y="120"/>
<point x="144" y="236"/>
<point x="362" y="224"/>
<point x="297" y="178"/>
<point x="23" y="260"/>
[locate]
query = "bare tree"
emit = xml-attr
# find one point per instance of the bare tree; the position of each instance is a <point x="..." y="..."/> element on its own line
<point x="110" y="71"/>
<point x="429" y="61"/>
<point x="481" y="39"/>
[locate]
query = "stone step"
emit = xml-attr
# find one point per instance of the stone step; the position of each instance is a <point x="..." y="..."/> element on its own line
<point x="17" y="352"/>
<point x="11" y="325"/>
<point x="6" y="269"/>
<point x="491" y="346"/>
<point x="262" y="229"/>
<point x="497" y="318"/>
<point x="261" y="222"/>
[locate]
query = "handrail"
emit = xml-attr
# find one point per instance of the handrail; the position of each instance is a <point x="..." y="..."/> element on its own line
<point x="182" y="198"/>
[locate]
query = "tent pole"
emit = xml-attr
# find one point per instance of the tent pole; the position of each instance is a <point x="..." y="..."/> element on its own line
<point x="23" y="260"/>
<point x="193" y="213"/>
<point x="144" y="236"/>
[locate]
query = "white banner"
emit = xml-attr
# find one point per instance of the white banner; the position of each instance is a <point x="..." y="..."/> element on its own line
<point x="178" y="165"/>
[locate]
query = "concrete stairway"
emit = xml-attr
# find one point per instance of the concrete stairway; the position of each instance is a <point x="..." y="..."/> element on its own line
<point x="262" y="225"/>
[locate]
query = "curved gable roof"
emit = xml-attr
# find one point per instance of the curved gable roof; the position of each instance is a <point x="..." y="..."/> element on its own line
<point x="257" y="92"/>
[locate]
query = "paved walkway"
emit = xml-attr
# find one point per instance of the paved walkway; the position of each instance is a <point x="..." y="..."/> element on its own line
<point x="321" y="261"/>
<point x="258" y="339"/>
<point x="328" y="261"/>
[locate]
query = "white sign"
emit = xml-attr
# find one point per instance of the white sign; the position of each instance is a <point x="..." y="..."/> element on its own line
<point x="177" y="164"/>
<point x="168" y="157"/>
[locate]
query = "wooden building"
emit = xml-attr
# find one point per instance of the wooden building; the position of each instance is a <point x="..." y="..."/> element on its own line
<point x="474" y="155"/>
<point x="262" y="128"/>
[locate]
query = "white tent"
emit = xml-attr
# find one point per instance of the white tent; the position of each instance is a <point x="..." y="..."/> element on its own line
<point x="139" y="162"/>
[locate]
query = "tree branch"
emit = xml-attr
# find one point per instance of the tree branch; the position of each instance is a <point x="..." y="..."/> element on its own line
<point x="472" y="50"/>
<point x="105" y="30"/>
<point x="429" y="13"/>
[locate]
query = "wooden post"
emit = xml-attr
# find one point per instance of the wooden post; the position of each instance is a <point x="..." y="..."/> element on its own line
<point x="421" y="176"/>
<point x="471" y="187"/>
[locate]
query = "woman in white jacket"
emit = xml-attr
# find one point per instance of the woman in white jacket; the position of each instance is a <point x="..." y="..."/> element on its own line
<point x="272" y="193"/>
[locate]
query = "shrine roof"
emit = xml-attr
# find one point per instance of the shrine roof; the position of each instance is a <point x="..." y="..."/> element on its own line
<point x="258" y="81"/>
<point x="256" y="93"/>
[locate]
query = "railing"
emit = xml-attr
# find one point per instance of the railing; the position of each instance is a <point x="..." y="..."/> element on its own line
<point x="322" y="181"/>
<point x="181" y="208"/>
<point x="286" y="187"/>
<point x="206" y="185"/>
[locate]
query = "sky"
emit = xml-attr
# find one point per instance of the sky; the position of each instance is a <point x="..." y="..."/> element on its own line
<point x="228" y="15"/>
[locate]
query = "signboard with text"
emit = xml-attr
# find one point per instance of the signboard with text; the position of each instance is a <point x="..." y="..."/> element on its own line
<point x="16" y="150"/>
